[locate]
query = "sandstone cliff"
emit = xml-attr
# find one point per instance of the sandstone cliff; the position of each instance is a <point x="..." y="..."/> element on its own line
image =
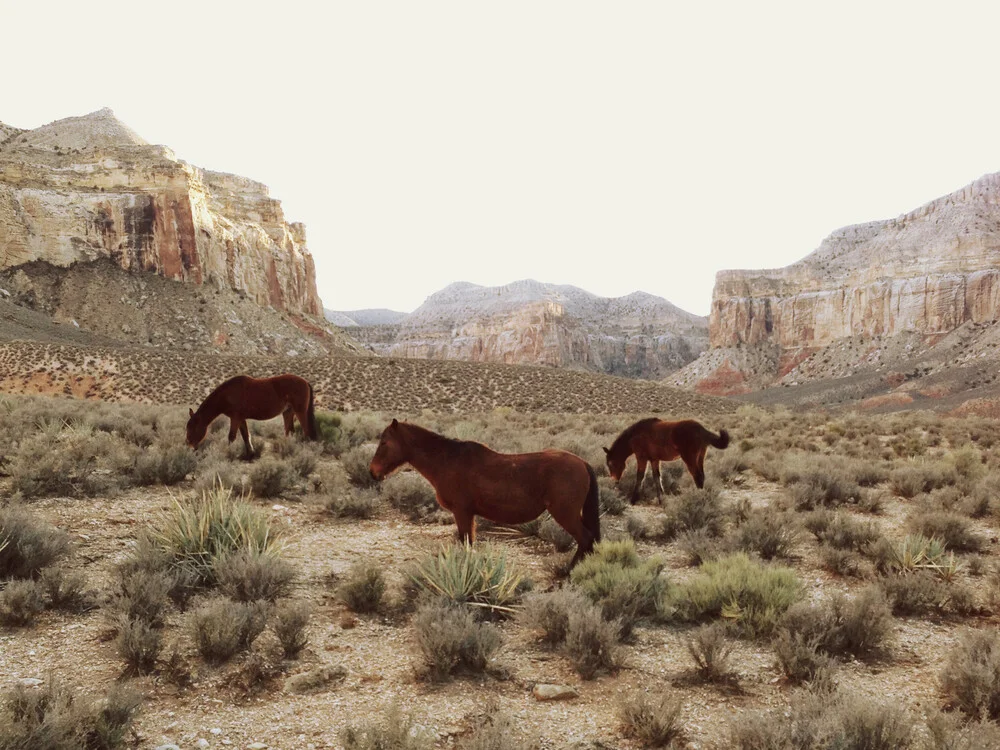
<point x="86" y="188"/>
<point x="886" y="287"/>
<point x="528" y="322"/>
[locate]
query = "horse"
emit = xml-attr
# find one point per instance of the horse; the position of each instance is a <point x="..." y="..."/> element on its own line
<point x="471" y="479"/>
<point x="243" y="397"/>
<point x="653" y="440"/>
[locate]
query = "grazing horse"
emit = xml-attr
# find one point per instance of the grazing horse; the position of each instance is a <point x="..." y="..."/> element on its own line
<point x="653" y="440"/>
<point x="243" y="397"/>
<point x="470" y="480"/>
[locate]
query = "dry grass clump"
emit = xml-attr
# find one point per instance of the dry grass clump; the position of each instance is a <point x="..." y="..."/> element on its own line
<point x="222" y="628"/>
<point x="842" y="627"/>
<point x="249" y="576"/>
<point x="412" y="494"/>
<point x="315" y="680"/>
<point x="272" y="478"/>
<point x="352" y="503"/>
<point x="21" y="601"/>
<point x="922" y="591"/>
<point x="496" y="730"/>
<point x="395" y="731"/>
<point x="710" y="650"/>
<point x="698" y="510"/>
<point x="625" y="587"/>
<point x="768" y="533"/>
<point x="953" y="530"/>
<point x="356" y="462"/>
<point x="971" y="678"/>
<point x="822" y="719"/>
<point x="27" y="545"/>
<point x="653" y="720"/>
<point x="164" y="465"/>
<point x="66" y="590"/>
<point x="289" y="622"/>
<point x="452" y="639"/>
<point x="914" y="479"/>
<point x="55" y="717"/>
<point x="949" y="732"/>
<point x="751" y="595"/>
<point x="362" y="587"/>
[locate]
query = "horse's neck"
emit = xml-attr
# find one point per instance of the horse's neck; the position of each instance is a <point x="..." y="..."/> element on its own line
<point x="430" y="454"/>
<point x="210" y="408"/>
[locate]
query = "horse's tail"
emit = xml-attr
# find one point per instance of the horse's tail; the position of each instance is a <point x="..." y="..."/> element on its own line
<point x="719" y="441"/>
<point x="592" y="507"/>
<point x="311" y="416"/>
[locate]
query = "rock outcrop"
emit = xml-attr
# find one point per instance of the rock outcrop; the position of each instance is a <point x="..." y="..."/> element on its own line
<point x="528" y="322"/>
<point x="907" y="281"/>
<point x="86" y="188"/>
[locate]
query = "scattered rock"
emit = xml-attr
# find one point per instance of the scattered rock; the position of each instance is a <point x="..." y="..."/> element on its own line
<point x="315" y="680"/>
<point x="543" y="692"/>
<point x="30" y="682"/>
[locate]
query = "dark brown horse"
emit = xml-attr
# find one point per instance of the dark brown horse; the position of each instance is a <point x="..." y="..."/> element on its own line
<point x="653" y="440"/>
<point x="470" y="480"/>
<point x="242" y="398"/>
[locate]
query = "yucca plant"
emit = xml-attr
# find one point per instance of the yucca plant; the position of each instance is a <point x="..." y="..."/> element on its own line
<point x="199" y="534"/>
<point x="479" y="576"/>
<point x="917" y="551"/>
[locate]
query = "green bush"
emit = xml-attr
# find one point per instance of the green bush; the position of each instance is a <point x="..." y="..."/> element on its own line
<point x="751" y="595"/>
<point x="479" y="576"/>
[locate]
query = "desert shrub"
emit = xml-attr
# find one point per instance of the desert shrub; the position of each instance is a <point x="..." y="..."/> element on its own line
<point x="700" y="547"/>
<point x="824" y="720"/>
<point x="768" y="533"/>
<point x="971" y="677"/>
<point x="291" y="618"/>
<point x="271" y="478"/>
<point x="625" y="587"/>
<point x="195" y="536"/>
<point x="476" y="575"/>
<point x="138" y="643"/>
<point x="354" y="503"/>
<point x="300" y="459"/>
<point x="841" y="531"/>
<point x="396" y="731"/>
<point x="451" y="638"/>
<point x="549" y="612"/>
<point x="55" y="717"/>
<point x="21" y="601"/>
<point x="330" y="432"/>
<point x="591" y="642"/>
<point x="844" y="562"/>
<point x="363" y="587"/>
<point x="316" y="680"/>
<point x="710" y="651"/>
<point x="816" y="483"/>
<point x="356" y="461"/>
<point x="247" y="576"/>
<point x="219" y="474"/>
<point x="953" y="530"/>
<point x="612" y="501"/>
<point x="495" y="730"/>
<point x="27" y="545"/>
<point x="725" y="467"/>
<point x="842" y="626"/>
<point x="949" y="732"/>
<point x="654" y="721"/>
<point x="222" y="628"/>
<point x="74" y="461"/>
<point x="753" y="596"/>
<point x="909" y="481"/>
<point x="65" y="590"/>
<point x="698" y="510"/>
<point x="140" y="594"/>
<point x="799" y="656"/>
<point x="411" y="494"/>
<point x="921" y="592"/>
<point x="164" y="465"/>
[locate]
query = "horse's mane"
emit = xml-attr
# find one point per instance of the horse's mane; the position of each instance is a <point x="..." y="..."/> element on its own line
<point x="211" y="397"/>
<point x="621" y="442"/>
<point x="454" y="442"/>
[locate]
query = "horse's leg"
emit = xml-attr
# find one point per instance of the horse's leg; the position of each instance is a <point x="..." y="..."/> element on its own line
<point x="655" y="466"/>
<point x="640" y="474"/>
<point x="246" y="439"/>
<point x="573" y="523"/>
<point x="466" y="522"/>
<point x="695" y="463"/>
<point x="234" y="427"/>
<point x="700" y="478"/>
<point x="289" y="415"/>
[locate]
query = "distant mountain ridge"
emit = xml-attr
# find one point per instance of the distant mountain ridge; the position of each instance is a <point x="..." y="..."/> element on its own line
<point x="527" y="321"/>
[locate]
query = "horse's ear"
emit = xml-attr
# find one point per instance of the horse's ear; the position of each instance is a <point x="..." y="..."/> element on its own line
<point x="395" y="423"/>
<point x="190" y="412"/>
<point x="606" y="451"/>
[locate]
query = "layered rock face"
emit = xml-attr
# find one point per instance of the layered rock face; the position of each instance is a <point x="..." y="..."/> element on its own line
<point x="529" y="322"/>
<point x="85" y="188"/>
<point x="928" y="272"/>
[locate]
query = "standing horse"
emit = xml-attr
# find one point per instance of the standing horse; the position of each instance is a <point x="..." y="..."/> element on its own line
<point x="470" y="480"/>
<point x="243" y="397"/>
<point x="653" y="440"/>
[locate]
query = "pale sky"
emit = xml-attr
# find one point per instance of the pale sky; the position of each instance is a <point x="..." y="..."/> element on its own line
<point x="615" y="146"/>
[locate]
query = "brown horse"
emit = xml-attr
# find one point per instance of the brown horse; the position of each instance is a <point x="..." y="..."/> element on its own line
<point x="242" y="398"/>
<point x="470" y="480"/>
<point x="653" y="440"/>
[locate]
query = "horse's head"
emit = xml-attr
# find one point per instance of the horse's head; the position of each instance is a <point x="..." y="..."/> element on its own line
<point x="616" y="464"/>
<point x="390" y="454"/>
<point x="196" y="429"/>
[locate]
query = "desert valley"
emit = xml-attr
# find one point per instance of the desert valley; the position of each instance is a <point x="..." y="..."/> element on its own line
<point x="835" y="584"/>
